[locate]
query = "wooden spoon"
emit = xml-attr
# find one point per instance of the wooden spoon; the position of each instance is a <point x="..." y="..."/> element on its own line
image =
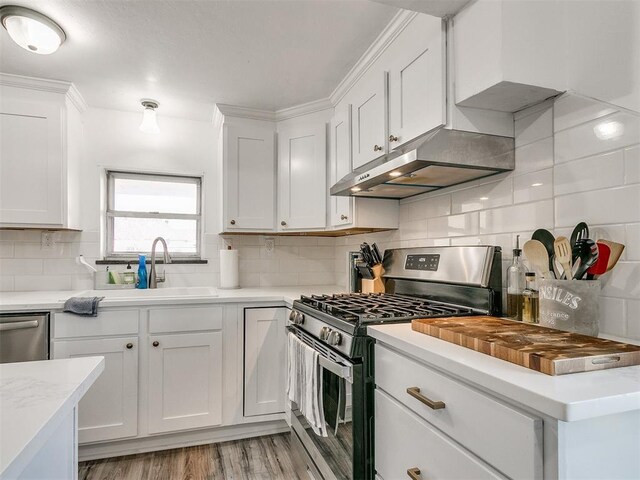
<point x="562" y="247"/>
<point x="538" y="257"/>
<point x="616" y="252"/>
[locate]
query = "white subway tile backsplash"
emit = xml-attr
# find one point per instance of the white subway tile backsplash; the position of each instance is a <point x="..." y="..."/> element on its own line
<point x="632" y="165"/>
<point x="571" y="110"/>
<point x="632" y="242"/>
<point x="413" y="230"/>
<point x="517" y="217"/>
<point x="535" y="156"/>
<point x="614" y="205"/>
<point x="453" y="225"/>
<point x="612" y="316"/>
<point x="633" y="319"/>
<point x="6" y="283"/>
<point x="490" y="195"/>
<point x="533" y="186"/>
<point x="533" y="127"/>
<point x="14" y="266"/>
<point x="609" y="133"/>
<point x="623" y="281"/>
<point x="29" y="283"/>
<point x="591" y="173"/>
<point x="436" y="206"/>
<point x="6" y="249"/>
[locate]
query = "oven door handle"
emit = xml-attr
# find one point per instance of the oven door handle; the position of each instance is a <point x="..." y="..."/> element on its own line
<point x="342" y="371"/>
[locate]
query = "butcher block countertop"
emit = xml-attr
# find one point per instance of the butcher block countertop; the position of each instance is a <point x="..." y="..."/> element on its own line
<point x="574" y="397"/>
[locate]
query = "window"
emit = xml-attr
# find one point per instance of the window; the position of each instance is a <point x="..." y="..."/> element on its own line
<point x="141" y="207"/>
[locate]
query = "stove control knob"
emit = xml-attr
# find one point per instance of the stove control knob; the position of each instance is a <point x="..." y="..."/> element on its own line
<point x="292" y="316"/>
<point x="299" y="320"/>
<point x="324" y="333"/>
<point x="334" y="338"/>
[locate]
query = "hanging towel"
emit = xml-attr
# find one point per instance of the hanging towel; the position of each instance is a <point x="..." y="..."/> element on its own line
<point x="87" y="306"/>
<point x="305" y="383"/>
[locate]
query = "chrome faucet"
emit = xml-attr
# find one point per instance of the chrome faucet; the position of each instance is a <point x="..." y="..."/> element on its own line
<point x="154" y="277"/>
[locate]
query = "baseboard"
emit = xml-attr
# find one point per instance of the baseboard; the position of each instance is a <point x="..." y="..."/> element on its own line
<point x="177" y="440"/>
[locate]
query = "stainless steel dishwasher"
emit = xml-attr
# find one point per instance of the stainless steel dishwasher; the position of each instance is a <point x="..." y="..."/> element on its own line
<point x="24" y="337"/>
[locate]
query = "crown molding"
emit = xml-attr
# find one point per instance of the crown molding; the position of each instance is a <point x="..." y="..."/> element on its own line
<point x="54" y="86"/>
<point x="304" y="109"/>
<point x="380" y="44"/>
<point x="246" y="112"/>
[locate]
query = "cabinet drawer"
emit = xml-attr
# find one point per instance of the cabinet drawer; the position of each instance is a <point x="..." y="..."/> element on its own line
<point x="506" y="438"/>
<point x="108" y="322"/>
<point x="190" y="319"/>
<point x="405" y="441"/>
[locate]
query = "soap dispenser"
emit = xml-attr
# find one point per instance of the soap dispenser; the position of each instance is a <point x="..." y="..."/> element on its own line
<point x="143" y="282"/>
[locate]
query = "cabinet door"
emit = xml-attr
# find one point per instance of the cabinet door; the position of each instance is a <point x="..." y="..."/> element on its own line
<point x="109" y="410"/>
<point x="369" y="120"/>
<point x="31" y="163"/>
<point x="340" y="208"/>
<point x="264" y="360"/>
<point x="302" y="179"/>
<point x="417" y="84"/>
<point x="249" y="178"/>
<point x="185" y="381"/>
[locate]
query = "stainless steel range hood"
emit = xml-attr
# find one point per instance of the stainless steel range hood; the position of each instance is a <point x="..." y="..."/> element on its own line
<point x="438" y="159"/>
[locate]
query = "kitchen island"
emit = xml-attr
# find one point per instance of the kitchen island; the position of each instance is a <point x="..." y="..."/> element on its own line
<point x="38" y="426"/>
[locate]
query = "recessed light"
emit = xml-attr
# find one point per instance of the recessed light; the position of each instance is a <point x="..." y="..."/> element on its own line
<point x="484" y="198"/>
<point x="355" y="189"/>
<point x="536" y="184"/>
<point x="149" y="121"/>
<point x="32" y="30"/>
<point x="395" y="174"/>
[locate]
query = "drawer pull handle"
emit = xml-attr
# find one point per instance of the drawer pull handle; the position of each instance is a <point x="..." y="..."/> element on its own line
<point x="433" y="404"/>
<point x="414" y="473"/>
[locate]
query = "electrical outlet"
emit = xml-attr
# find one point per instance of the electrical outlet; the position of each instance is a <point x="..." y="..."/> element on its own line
<point x="47" y="241"/>
<point x="269" y="245"/>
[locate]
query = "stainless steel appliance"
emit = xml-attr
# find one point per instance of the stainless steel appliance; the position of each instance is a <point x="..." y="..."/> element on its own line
<point x="24" y="337"/>
<point x="420" y="283"/>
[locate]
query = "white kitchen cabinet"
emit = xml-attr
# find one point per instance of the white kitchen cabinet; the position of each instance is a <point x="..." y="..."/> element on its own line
<point x="264" y="360"/>
<point x="40" y="135"/>
<point x="349" y="212"/>
<point x="508" y="55"/>
<point x="184" y="381"/>
<point x="249" y="176"/>
<point x="369" y="118"/>
<point x="109" y="410"/>
<point x="302" y="177"/>
<point x="417" y="81"/>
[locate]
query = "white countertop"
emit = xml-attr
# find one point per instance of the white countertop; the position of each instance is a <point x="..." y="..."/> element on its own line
<point x="54" y="300"/>
<point x="570" y="397"/>
<point x="34" y="396"/>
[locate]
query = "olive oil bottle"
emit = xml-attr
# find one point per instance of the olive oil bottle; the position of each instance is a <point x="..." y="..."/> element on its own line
<point x="515" y="284"/>
<point x="530" y="300"/>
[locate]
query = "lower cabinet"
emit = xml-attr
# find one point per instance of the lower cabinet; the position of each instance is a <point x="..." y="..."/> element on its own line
<point x="185" y="381"/>
<point x="109" y="410"/>
<point x="408" y="447"/>
<point x="264" y="360"/>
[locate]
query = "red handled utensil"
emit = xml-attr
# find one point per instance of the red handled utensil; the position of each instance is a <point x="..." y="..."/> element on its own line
<point x="600" y="267"/>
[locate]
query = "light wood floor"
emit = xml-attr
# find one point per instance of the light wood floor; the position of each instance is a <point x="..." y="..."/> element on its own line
<point x="262" y="458"/>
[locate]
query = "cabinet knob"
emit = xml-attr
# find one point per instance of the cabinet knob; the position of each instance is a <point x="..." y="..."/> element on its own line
<point x="129" y="346"/>
<point x="156" y="343"/>
<point x="377" y="148"/>
<point x="414" y="473"/>
<point x="232" y="222"/>
<point x="343" y="217"/>
<point x="393" y="138"/>
<point x="283" y="223"/>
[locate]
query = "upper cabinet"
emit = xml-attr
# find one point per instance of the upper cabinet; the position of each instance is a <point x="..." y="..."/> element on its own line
<point x="40" y="149"/>
<point x="302" y="177"/>
<point x="417" y="81"/>
<point x="369" y="119"/>
<point x="508" y="55"/>
<point x="249" y="176"/>
<point x="340" y="208"/>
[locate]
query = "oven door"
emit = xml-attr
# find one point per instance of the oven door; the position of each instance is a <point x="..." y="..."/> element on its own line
<point x="331" y="457"/>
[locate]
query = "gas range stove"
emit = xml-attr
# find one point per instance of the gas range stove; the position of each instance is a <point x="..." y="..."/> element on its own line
<point x="425" y="282"/>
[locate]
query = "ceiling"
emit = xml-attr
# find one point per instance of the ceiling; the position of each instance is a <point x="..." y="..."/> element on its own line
<point x="188" y="55"/>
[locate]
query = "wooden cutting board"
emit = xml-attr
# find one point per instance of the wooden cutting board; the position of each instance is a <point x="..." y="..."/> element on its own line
<point x="543" y="349"/>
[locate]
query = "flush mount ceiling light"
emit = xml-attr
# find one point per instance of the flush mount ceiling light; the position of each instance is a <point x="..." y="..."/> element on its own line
<point x="149" y="121"/>
<point x="32" y="30"/>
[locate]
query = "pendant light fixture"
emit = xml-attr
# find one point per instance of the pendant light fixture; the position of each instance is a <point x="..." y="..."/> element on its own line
<point x="32" y="30"/>
<point x="149" y="121"/>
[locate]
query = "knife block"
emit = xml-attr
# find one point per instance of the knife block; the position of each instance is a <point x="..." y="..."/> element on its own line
<point x="376" y="285"/>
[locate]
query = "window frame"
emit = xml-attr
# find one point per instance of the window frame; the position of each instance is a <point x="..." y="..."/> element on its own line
<point x="111" y="213"/>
